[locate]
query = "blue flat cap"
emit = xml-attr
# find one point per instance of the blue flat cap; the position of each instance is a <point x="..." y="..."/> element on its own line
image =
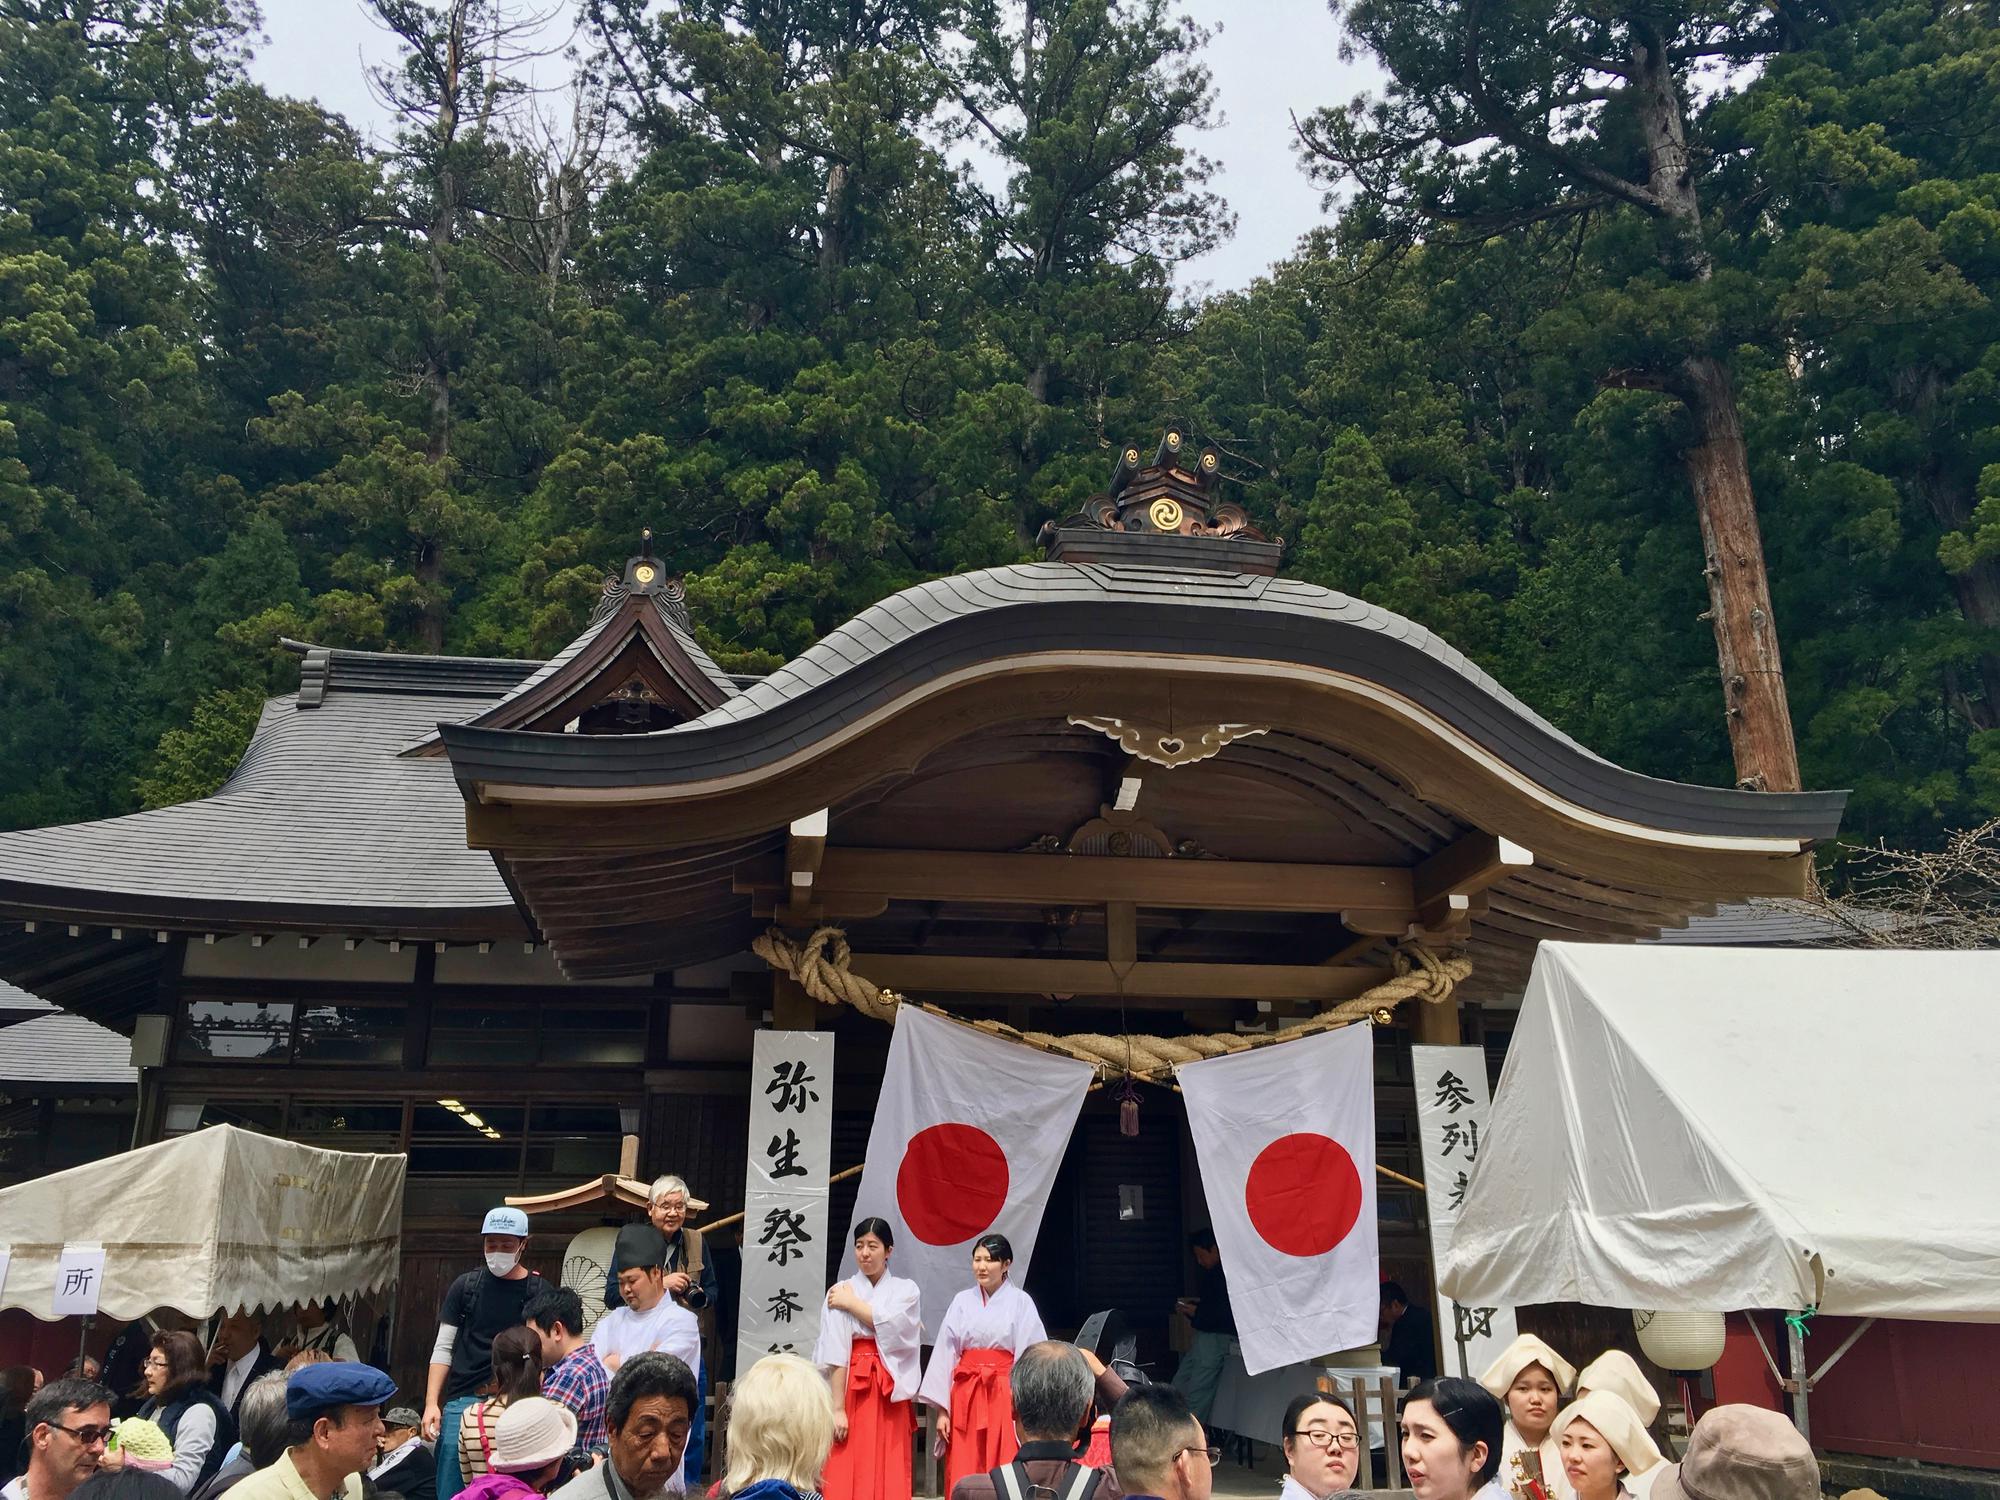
<point x="317" y="1388"/>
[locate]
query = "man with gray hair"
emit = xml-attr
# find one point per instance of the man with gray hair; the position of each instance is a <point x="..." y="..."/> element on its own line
<point x="263" y="1426"/>
<point x="690" y="1282"/>
<point x="1058" y="1389"/>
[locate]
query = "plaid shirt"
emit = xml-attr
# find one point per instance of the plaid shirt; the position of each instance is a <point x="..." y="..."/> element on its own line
<point x="581" y="1383"/>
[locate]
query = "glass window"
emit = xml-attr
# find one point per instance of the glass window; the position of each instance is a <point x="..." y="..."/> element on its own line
<point x="594" y="1034"/>
<point x="552" y="1031"/>
<point x="489" y="1035"/>
<point x="371" y="1033"/>
<point x="236" y="1030"/>
<point x="267" y="1117"/>
<point x="460" y="1137"/>
<point x="569" y="1141"/>
<point x="341" y="1125"/>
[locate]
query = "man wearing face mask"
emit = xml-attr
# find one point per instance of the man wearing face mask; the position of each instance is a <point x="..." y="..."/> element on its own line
<point x="478" y="1305"/>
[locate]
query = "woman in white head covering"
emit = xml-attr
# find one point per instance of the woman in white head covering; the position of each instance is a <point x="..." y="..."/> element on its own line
<point x="1606" y="1451"/>
<point x="1529" y="1379"/>
<point x="1618" y="1372"/>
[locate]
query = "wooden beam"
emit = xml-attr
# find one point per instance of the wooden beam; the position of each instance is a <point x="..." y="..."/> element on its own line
<point x="1080" y="976"/>
<point x="1453" y="911"/>
<point x="1463" y="868"/>
<point x="1090" y="880"/>
<point x="829" y="909"/>
<point x="805" y="847"/>
<point x="1121" y="935"/>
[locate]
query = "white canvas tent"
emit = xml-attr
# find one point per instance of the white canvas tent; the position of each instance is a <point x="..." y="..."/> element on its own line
<point x="221" y="1218"/>
<point x="1708" y="1129"/>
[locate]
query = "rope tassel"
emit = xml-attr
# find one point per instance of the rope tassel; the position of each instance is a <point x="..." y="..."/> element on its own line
<point x="822" y="967"/>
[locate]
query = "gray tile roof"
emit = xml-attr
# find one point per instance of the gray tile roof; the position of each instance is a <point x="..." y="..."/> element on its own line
<point x="326" y="667"/>
<point x="63" y="1049"/>
<point x="321" y="823"/>
<point x="1762" y="923"/>
<point x="17" y="1004"/>
<point x="938" y="627"/>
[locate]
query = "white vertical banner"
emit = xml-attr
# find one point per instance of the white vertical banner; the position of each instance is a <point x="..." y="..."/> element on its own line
<point x="1454" y="1107"/>
<point x="784" y="1195"/>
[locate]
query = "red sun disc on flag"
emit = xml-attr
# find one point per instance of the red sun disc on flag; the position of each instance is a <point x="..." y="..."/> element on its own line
<point x="1303" y="1194"/>
<point x="952" y="1183"/>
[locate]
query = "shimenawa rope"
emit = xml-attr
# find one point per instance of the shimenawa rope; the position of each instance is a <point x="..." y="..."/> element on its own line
<point x="822" y="967"/>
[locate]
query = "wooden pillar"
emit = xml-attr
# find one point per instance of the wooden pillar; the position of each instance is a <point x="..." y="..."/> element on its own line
<point x="792" y="1009"/>
<point x="1435" y="1023"/>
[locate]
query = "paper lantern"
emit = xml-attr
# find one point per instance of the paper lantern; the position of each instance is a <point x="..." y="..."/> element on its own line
<point x="1680" y="1340"/>
<point x="586" y="1264"/>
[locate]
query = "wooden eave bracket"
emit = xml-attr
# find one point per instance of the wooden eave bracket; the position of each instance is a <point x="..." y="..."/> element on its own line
<point x="805" y="848"/>
<point x="1450" y="885"/>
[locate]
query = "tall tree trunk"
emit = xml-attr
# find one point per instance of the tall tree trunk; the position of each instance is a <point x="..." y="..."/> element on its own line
<point x="833" y="227"/>
<point x="1977" y="590"/>
<point x="1717" y="463"/>
<point x="438" y="239"/>
<point x="1739" y="592"/>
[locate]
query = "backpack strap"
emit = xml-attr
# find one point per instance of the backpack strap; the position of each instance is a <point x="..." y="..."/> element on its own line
<point x="1011" y="1482"/>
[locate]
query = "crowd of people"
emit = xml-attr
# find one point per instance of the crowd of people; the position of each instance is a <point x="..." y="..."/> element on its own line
<point x="522" y="1401"/>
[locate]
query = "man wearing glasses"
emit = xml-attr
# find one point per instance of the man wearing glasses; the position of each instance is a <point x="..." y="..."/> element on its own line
<point x="1158" y="1449"/>
<point x="67" y="1421"/>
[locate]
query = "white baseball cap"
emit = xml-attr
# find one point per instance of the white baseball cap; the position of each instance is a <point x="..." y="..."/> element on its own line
<point x="506" y="1221"/>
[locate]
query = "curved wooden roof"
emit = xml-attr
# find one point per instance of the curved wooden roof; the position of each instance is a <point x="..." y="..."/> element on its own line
<point x="1361" y="742"/>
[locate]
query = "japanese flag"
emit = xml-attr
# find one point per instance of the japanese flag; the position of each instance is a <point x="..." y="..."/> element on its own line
<point x="1285" y="1137"/>
<point x="967" y="1137"/>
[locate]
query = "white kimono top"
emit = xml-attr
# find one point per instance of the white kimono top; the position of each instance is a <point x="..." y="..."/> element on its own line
<point x="898" y="1331"/>
<point x="1007" y="1320"/>
<point x="1554" y="1480"/>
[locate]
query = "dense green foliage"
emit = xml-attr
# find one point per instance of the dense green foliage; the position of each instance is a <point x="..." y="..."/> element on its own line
<point x="259" y="380"/>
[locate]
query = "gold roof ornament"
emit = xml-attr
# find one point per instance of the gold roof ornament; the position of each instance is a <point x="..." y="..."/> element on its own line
<point x="1176" y="496"/>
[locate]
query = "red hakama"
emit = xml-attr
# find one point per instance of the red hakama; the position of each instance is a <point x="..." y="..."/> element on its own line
<point x="982" y="1415"/>
<point x="873" y="1462"/>
<point x="1098" y="1454"/>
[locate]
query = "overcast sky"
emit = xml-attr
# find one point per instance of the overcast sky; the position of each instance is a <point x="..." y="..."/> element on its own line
<point x="1271" y="57"/>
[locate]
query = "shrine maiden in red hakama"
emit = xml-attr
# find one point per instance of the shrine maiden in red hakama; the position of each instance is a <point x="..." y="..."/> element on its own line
<point x="986" y="1326"/>
<point x="869" y="1340"/>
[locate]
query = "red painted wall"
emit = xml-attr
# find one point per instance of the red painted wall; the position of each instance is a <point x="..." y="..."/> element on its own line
<point x="1927" y="1391"/>
<point x="1741" y="1376"/>
<point x="1909" y="1390"/>
<point x="49" y="1347"/>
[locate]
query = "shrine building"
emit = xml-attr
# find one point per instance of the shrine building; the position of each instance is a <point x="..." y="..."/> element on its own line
<point x="497" y="914"/>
